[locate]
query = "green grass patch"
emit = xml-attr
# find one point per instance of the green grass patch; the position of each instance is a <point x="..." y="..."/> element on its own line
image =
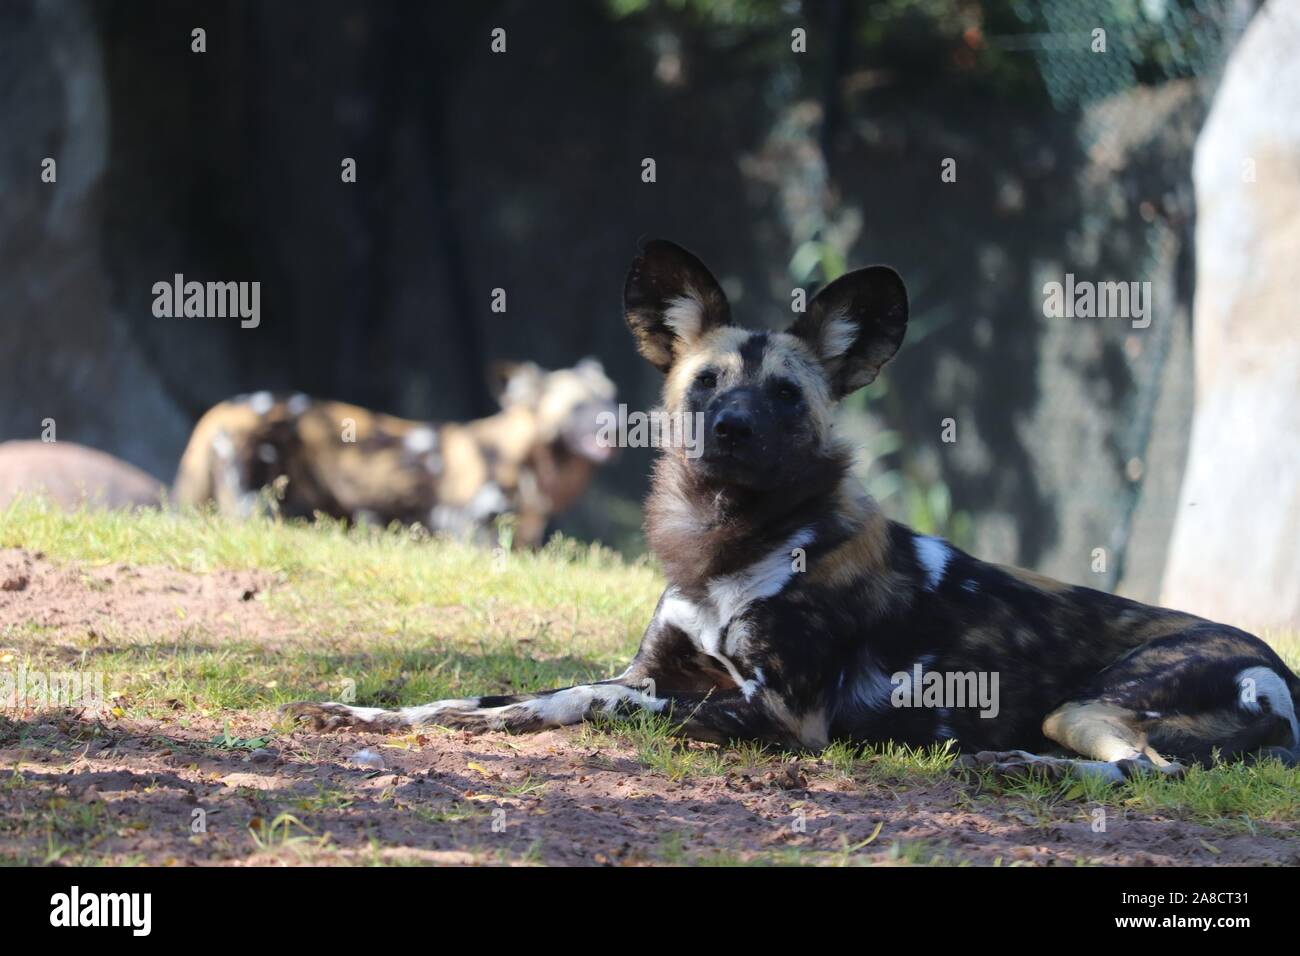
<point x="390" y="617"/>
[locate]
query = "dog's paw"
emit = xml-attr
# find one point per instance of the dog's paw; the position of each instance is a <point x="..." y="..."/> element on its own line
<point x="1021" y="765"/>
<point x="1141" y="765"/>
<point x="1011" y="764"/>
<point x="331" y="716"/>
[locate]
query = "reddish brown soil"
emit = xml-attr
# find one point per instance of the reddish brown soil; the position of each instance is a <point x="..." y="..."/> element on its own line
<point x="78" y="603"/>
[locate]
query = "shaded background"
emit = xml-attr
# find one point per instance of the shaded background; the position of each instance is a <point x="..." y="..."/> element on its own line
<point x="522" y="171"/>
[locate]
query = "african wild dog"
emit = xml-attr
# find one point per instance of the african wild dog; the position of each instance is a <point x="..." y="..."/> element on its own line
<point x="531" y="460"/>
<point x="791" y="599"/>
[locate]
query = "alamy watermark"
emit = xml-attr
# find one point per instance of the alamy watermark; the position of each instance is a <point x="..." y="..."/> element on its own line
<point x="655" y="429"/>
<point x="209" y="300"/>
<point x="74" y="908"/>
<point x="1098" y="300"/>
<point x="954" y="690"/>
<point x="25" y="689"/>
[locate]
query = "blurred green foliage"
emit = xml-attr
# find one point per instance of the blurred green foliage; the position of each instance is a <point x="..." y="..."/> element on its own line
<point x="896" y="479"/>
<point x="1026" y="51"/>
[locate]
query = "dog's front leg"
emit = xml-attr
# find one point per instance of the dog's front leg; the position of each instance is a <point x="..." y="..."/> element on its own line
<point x="719" y="716"/>
<point x="516" y="713"/>
<point x="732" y="715"/>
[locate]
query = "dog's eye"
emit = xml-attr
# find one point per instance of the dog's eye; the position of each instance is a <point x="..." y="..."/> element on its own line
<point x="787" y="393"/>
<point x="707" y="380"/>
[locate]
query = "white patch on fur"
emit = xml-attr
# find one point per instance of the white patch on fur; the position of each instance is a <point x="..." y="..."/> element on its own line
<point x="838" y="333"/>
<point x="419" y="440"/>
<point x="426" y="713"/>
<point x="685" y="316"/>
<point x="934" y="554"/>
<point x="564" y="707"/>
<point x="737" y="636"/>
<point x="361" y="713"/>
<point x="732" y="593"/>
<point x="222" y="446"/>
<point x="752" y="686"/>
<point x="676" y="611"/>
<point x="226" y="476"/>
<point x="699" y="622"/>
<point x="298" y="404"/>
<point x="460" y="521"/>
<point x="872" y="689"/>
<point x="488" y="502"/>
<point x="1269" y="686"/>
<point x="561" y="709"/>
<point x="261" y="402"/>
<point x="570" y="706"/>
<point x="729" y="597"/>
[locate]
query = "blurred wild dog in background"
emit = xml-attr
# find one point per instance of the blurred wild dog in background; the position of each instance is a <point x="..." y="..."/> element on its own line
<point x="530" y="460"/>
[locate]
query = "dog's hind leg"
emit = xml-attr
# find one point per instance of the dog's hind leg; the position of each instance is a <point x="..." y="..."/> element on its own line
<point x="1107" y="734"/>
<point x="1101" y="731"/>
<point x="1022" y="763"/>
<point x="1108" y="738"/>
<point x="1206" y="691"/>
<point x="1181" y="699"/>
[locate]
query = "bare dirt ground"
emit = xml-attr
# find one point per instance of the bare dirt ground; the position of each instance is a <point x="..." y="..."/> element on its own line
<point x="73" y="602"/>
<point x="242" y="788"/>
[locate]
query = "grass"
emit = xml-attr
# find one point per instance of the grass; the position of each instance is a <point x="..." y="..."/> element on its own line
<point x="396" y="619"/>
<point x="387" y="615"/>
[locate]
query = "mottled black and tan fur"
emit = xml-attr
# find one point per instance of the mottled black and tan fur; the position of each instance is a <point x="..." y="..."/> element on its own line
<point x="795" y="611"/>
<point x="531" y="460"/>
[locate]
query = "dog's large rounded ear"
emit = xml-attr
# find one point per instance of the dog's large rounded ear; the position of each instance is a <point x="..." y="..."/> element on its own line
<point x="515" y="383"/>
<point x="855" y="325"/>
<point x="592" y="373"/>
<point x="670" y="300"/>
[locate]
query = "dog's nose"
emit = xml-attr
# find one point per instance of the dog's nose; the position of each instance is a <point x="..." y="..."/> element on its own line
<point x="733" y="427"/>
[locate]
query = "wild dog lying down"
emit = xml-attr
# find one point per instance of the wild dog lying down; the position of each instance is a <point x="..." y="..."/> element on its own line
<point x="531" y="460"/>
<point x="796" y="614"/>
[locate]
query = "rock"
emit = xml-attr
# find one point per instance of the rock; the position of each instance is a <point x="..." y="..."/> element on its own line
<point x="72" y="474"/>
<point x="1235" y="548"/>
<point x="70" y="359"/>
<point x="367" y="759"/>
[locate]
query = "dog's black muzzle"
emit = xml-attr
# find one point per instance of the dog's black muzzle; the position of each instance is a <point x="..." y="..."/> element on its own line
<point x="738" y="436"/>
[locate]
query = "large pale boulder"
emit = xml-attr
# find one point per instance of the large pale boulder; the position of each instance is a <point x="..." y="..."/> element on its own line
<point x="72" y="474"/>
<point x="1235" y="550"/>
<point x="68" y="358"/>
